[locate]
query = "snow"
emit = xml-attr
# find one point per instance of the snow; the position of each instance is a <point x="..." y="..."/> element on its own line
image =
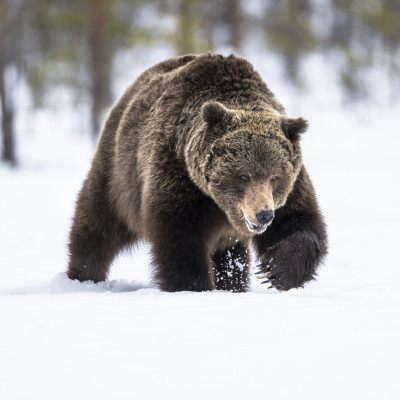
<point x="124" y="339"/>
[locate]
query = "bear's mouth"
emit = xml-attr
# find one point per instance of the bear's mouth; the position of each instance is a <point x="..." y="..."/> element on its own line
<point x="255" y="228"/>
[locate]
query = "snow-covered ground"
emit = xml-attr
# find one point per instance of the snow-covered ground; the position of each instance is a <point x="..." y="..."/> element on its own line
<point x="124" y="339"/>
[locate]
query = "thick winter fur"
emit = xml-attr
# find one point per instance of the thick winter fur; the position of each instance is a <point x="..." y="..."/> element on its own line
<point x="191" y="159"/>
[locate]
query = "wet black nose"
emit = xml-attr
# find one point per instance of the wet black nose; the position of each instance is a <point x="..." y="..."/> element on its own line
<point x="265" y="217"/>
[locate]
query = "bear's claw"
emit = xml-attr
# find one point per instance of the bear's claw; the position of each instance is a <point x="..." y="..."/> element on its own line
<point x="267" y="271"/>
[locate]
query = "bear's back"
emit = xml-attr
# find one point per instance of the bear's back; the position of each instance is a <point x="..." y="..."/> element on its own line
<point x="187" y="82"/>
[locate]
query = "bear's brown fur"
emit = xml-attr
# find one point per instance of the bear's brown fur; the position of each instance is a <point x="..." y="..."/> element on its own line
<point x="196" y="158"/>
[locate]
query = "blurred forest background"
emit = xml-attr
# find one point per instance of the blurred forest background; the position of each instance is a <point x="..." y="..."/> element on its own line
<point x="46" y="45"/>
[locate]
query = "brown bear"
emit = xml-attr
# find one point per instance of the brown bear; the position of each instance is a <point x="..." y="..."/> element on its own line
<point x="199" y="159"/>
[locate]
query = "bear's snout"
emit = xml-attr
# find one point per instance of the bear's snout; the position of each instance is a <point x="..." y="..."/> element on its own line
<point x="265" y="217"/>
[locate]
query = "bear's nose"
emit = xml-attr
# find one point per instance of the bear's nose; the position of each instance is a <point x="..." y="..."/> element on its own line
<point x="265" y="217"/>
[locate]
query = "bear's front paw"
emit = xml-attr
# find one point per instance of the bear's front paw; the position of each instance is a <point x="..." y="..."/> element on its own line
<point x="291" y="263"/>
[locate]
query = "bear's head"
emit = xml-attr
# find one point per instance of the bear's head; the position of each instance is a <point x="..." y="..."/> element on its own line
<point x="250" y="161"/>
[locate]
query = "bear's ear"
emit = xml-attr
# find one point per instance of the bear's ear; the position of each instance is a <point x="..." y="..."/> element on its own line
<point x="214" y="113"/>
<point x="294" y="127"/>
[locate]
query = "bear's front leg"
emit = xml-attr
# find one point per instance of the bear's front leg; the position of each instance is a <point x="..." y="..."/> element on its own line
<point x="181" y="262"/>
<point x="178" y="229"/>
<point x="295" y="243"/>
<point x="231" y="268"/>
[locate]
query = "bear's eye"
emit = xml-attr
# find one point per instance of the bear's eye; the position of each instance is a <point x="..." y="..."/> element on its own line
<point x="274" y="179"/>
<point x="244" y="178"/>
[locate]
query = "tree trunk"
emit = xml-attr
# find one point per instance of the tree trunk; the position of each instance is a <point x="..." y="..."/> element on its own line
<point x="185" y="37"/>
<point x="209" y="21"/>
<point x="7" y="107"/>
<point x="237" y="22"/>
<point x="100" y="62"/>
<point x="7" y="122"/>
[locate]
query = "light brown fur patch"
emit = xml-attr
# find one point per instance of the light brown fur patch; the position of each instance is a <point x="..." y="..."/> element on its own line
<point x="258" y="197"/>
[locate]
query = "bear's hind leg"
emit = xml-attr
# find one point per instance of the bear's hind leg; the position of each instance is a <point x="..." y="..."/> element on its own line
<point x="96" y="237"/>
<point x="231" y="268"/>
